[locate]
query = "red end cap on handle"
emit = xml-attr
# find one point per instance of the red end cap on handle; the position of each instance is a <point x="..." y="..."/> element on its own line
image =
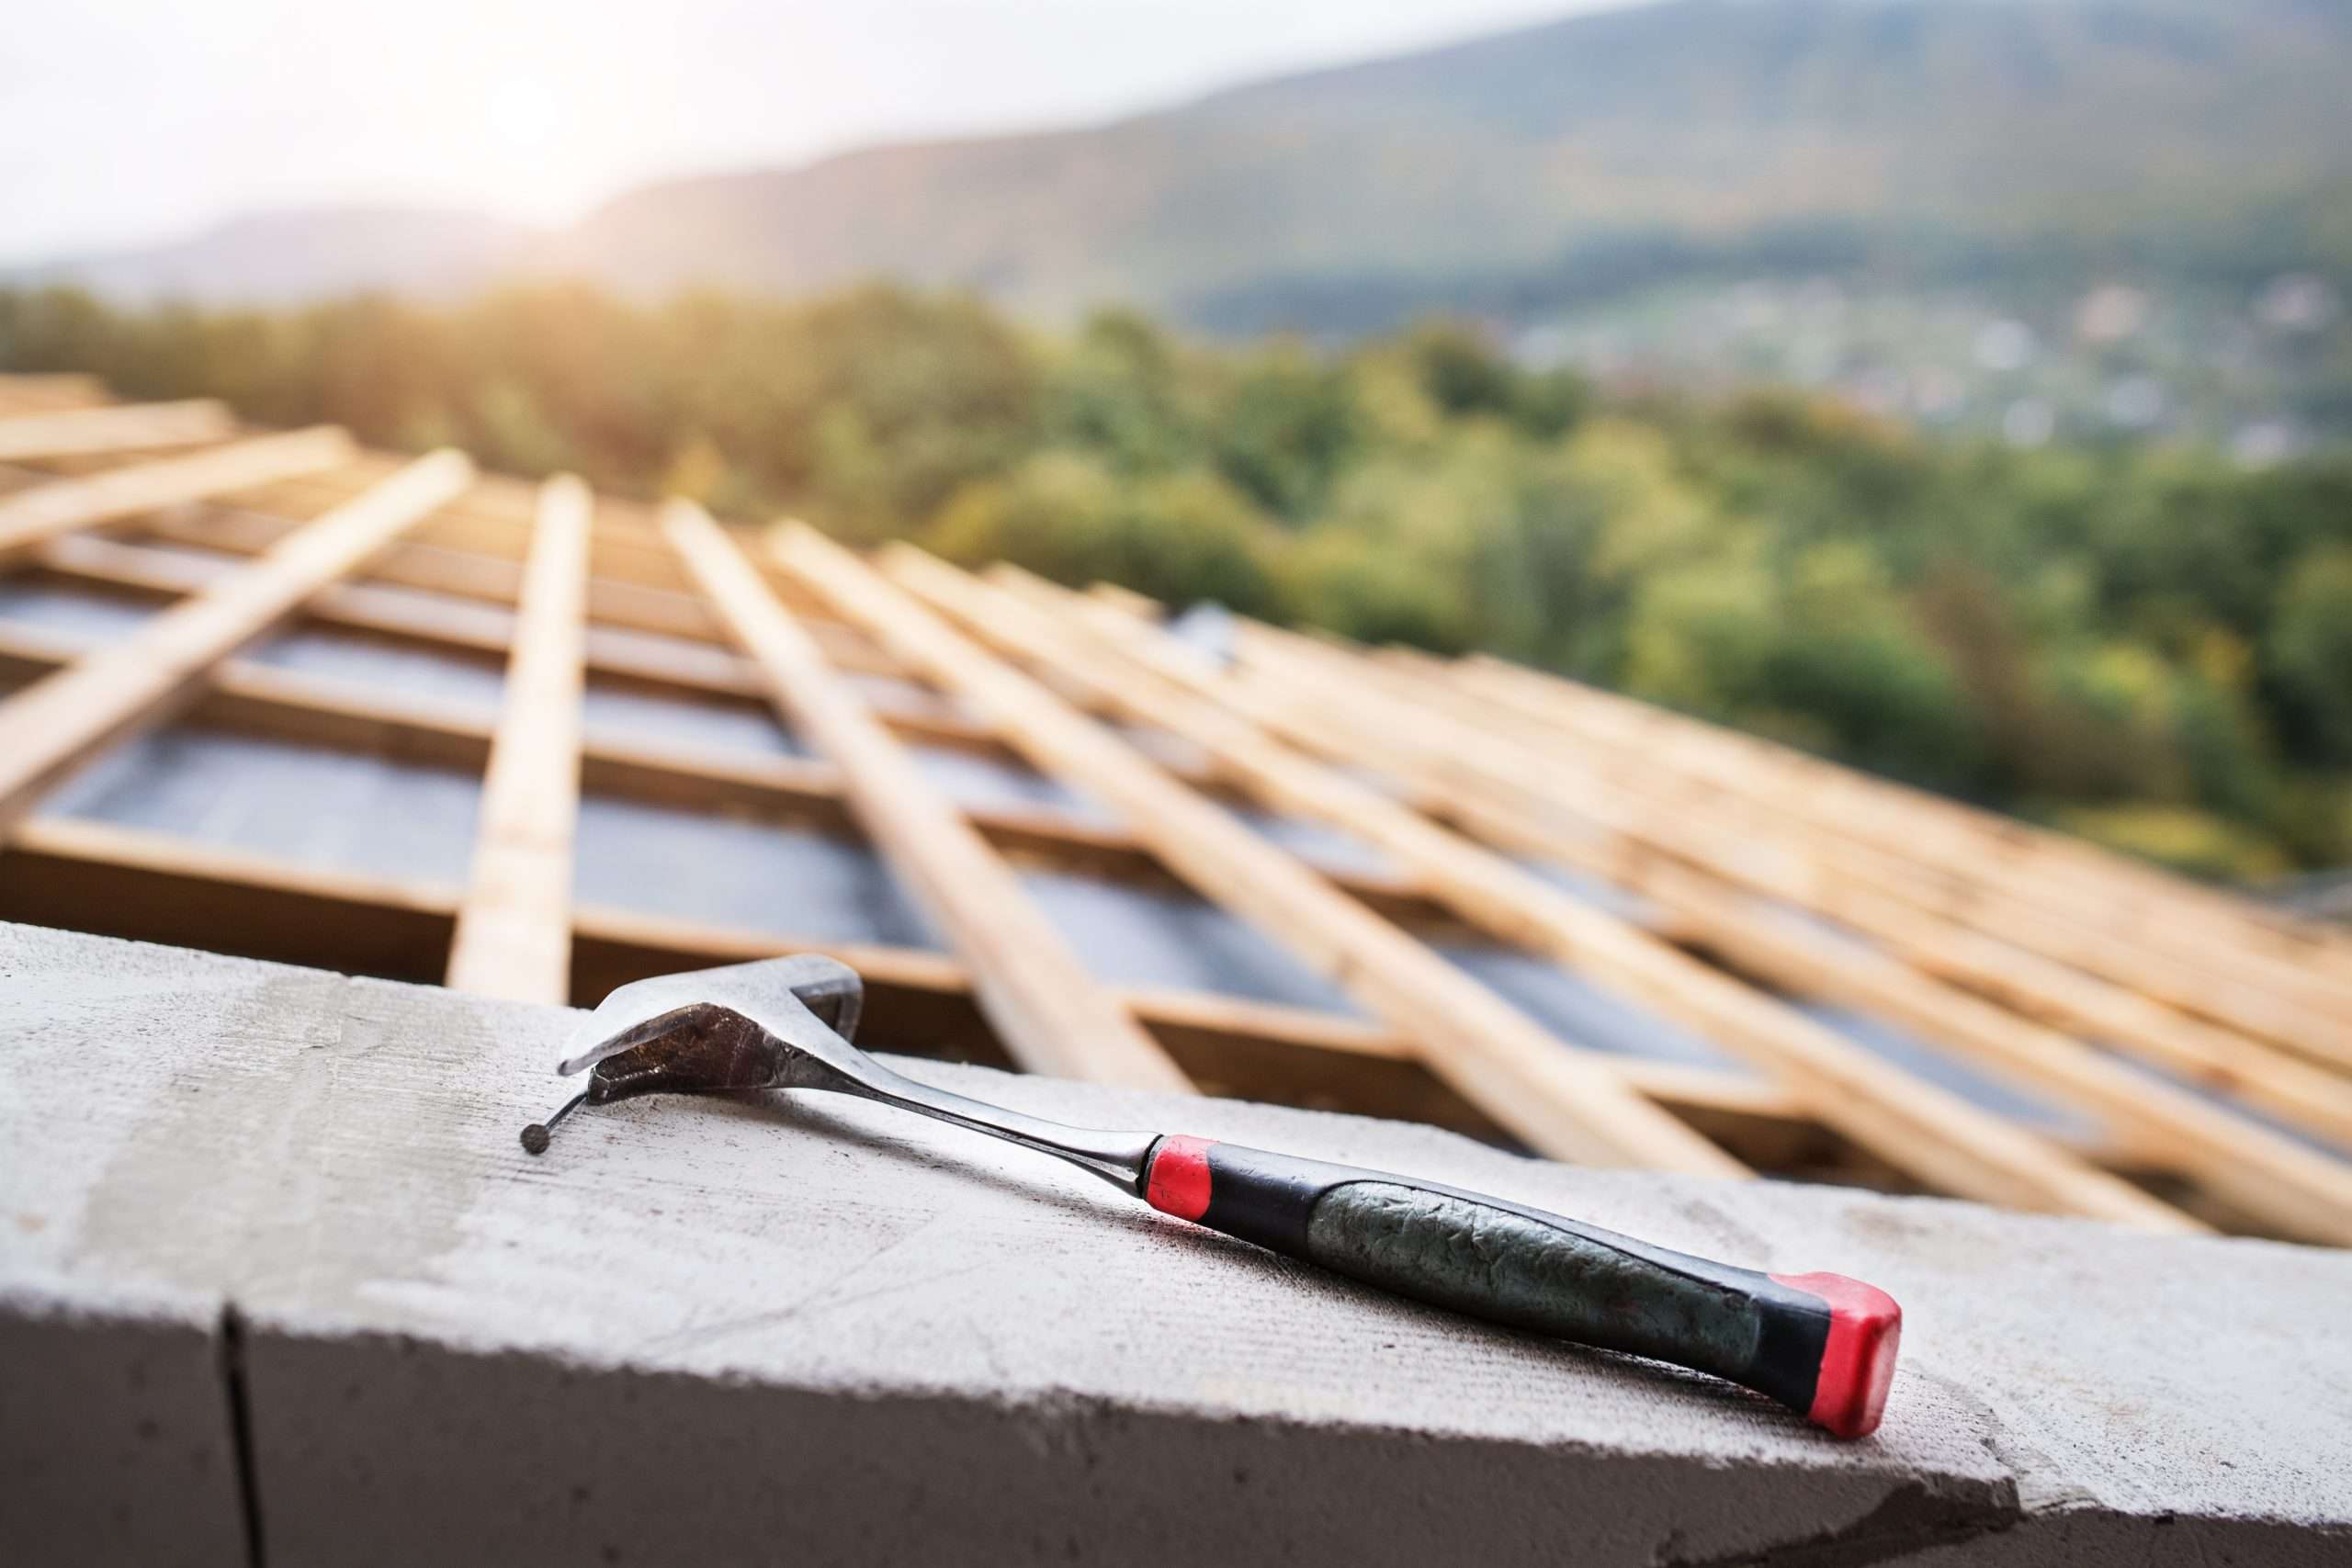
<point x="1178" y="1183"/>
<point x="1858" y="1363"/>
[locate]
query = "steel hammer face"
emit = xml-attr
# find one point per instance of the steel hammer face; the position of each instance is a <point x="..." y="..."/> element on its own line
<point x="739" y="1027"/>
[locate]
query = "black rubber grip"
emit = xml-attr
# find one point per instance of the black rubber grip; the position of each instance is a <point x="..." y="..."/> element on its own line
<point x="1511" y="1264"/>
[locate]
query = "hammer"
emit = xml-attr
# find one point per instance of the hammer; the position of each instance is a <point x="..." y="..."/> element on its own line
<point x="1821" y="1343"/>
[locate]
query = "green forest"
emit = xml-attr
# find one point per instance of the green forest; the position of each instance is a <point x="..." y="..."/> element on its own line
<point x="2149" y="645"/>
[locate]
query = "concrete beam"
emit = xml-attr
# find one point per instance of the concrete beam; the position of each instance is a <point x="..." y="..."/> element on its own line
<point x="811" y="1329"/>
<point x="116" y="1438"/>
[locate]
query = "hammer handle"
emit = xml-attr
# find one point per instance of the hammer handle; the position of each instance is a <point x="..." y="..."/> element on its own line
<point x="1821" y="1343"/>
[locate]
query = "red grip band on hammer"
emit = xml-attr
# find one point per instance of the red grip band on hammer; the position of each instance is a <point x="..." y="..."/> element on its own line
<point x="1858" y="1363"/>
<point x="1179" y="1176"/>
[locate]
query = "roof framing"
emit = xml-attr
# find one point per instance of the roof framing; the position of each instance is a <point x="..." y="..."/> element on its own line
<point x="1764" y="874"/>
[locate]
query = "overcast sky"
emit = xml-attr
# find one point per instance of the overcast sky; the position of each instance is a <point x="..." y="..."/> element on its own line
<point x="124" y="121"/>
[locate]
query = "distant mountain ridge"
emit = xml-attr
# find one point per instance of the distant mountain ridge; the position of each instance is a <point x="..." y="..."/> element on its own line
<point x="1946" y="133"/>
<point x="279" y="257"/>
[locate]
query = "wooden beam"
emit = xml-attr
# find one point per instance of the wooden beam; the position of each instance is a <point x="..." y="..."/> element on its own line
<point x="320" y="710"/>
<point x="2291" y="1189"/>
<point x="64" y="718"/>
<point x="480" y="624"/>
<point x="160" y="888"/>
<point x="462" y="599"/>
<point x="1912" y="1124"/>
<point x="2074" y="873"/>
<point x="1252" y="1049"/>
<point x="475" y="630"/>
<point x="448" y="555"/>
<point x="1045" y="1006"/>
<point x="462" y="574"/>
<point x="1620" y="831"/>
<point x="2294" y="1190"/>
<point x="2156" y="934"/>
<point x="495" y="521"/>
<point x="495" y="589"/>
<point x="1230" y="1045"/>
<point x="493" y="579"/>
<point x="35" y="392"/>
<point x="30" y="516"/>
<point x="1842" y="871"/>
<point x="514" y="928"/>
<point x="1563" y="1102"/>
<point x="128" y="428"/>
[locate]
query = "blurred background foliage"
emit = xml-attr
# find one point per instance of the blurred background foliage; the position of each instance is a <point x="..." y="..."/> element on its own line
<point x="2148" y="643"/>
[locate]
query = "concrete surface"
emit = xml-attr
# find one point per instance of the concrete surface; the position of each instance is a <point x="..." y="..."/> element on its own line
<point x="818" y="1332"/>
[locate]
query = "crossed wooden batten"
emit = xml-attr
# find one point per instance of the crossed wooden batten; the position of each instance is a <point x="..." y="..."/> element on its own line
<point x="1771" y="885"/>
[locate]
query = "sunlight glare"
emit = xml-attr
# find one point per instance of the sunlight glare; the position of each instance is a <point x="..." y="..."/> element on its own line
<point x="522" y="115"/>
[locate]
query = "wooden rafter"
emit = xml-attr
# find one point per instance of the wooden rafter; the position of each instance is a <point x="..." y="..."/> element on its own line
<point x="2293" y="1186"/>
<point x="1562" y="1100"/>
<point x="513" y="930"/>
<point x="1912" y="1124"/>
<point x="1049" y="1011"/>
<point x="123" y="428"/>
<point x="324" y="710"/>
<point x="64" y="718"/>
<point x="2024" y="954"/>
<point x="38" y="392"/>
<point x="430" y="617"/>
<point x="31" y="516"/>
<point x="1589" y="817"/>
<point x="2004" y="962"/>
<point x="160" y="888"/>
<point x="2159" y="941"/>
<point x="2061" y="874"/>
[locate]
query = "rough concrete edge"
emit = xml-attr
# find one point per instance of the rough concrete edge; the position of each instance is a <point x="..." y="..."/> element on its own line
<point x="1911" y="1517"/>
<point x="1896" y="1516"/>
<point x="167" y="1317"/>
<point x="1911" y="1520"/>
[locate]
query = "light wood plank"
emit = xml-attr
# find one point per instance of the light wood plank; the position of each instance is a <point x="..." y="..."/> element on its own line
<point x="1912" y="1124"/>
<point x="460" y="573"/>
<point x="1562" y="1100"/>
<point x="2296" y="1190"/>
<point x="2293" y="1189"/>
<point x="470" y="592"/>
<point x="161" y="887"/>
<point x="1626" y="825"/>
<point x="2131" y="923"/>
<point x="129" y="427"/>
<point x="320" y="710"/>
<point x="61" y="720"/>
<point x="1317" y="1059"/>
<point x="493" y="579"/>
<point x="513" y="930"/>
<point x="1046" y="1009"/>
<point x="31" y="516"/>
<point x="2232" y="990"/>
<point x="38" y="392"/>
<point x="475" y="628"/>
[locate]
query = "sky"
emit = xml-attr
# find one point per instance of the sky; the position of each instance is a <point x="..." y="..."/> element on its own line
<point x="123" y="122"/>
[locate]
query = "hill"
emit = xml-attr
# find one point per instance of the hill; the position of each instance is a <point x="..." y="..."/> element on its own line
<point x="1929" y="135"/>
<point x="307" y="254"/>
<point x="1512" y="174"/>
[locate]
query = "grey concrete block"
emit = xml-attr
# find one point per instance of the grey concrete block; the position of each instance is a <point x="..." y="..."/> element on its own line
<point x="815" y="1330"/>
<point x="115" y="1436"/>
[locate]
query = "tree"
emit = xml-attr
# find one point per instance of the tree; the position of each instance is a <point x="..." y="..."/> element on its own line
<point x="2307" y="651"/>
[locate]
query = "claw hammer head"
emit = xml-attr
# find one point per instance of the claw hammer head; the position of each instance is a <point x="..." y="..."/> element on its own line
<point x="743" y="1026"/>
